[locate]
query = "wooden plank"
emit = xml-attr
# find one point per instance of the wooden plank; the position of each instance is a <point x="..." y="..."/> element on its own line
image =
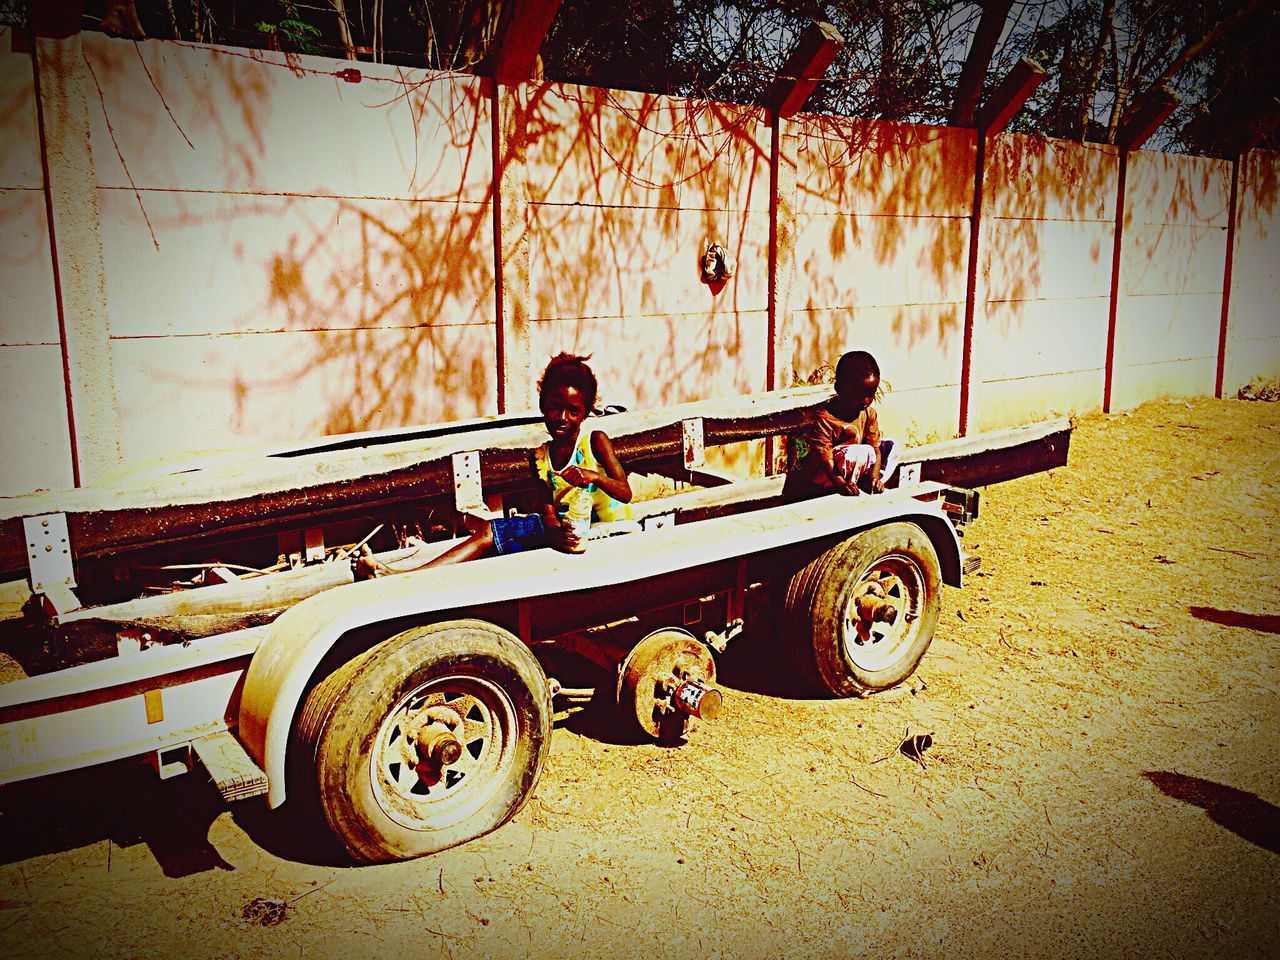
<point x="978" y="61"/>
<point x="817" y="47"/>
<point x="1008" y="98"/>
<point x="229" y="766"/>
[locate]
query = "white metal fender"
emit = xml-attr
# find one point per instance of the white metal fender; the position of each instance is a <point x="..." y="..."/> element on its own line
<point x="296" y="642"/>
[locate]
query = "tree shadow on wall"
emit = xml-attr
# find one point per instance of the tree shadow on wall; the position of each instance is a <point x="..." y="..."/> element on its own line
<point x="375" y="303"/>
<point x="895" y="201"/>
<point x="625" y="191"/>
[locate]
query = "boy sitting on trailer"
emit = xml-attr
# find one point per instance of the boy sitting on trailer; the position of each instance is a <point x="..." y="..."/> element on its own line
<point x="572" y="460"/>
<point x="842" y="451"/>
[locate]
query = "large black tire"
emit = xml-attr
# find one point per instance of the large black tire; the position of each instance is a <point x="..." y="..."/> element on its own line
<point x="358" y="723"/>
<point x="835" y="649"/>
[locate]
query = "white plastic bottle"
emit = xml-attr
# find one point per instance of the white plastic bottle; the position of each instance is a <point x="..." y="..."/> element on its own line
<point x="578" y="515"/>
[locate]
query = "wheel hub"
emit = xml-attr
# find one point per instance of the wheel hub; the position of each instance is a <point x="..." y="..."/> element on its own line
<point x="665" y="682"/>
<point x="880" y="616"/>
<point x="442" y="750"/>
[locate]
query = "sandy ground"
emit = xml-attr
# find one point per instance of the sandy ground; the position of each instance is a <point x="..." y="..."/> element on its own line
<point x="1103" y="699"/>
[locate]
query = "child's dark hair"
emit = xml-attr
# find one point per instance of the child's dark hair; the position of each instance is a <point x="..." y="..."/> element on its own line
<point x="857" y="366"/>
<point x="567" y="370"/>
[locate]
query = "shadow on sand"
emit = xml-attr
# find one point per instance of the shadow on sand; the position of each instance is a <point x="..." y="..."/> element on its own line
<point x="1245" y="814"/>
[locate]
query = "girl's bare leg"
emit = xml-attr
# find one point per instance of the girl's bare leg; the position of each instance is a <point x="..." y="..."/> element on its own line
<point x="479" y="544"/>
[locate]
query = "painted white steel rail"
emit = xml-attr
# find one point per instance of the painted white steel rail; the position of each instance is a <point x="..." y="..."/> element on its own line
<point x="126" y="706"/>
<point x="300" y="637"/>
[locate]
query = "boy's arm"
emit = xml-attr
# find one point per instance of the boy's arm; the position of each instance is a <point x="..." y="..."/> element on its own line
<point x="825" y="435"/>
<point x="612" y="479"/>
<point x="873" y="440"/>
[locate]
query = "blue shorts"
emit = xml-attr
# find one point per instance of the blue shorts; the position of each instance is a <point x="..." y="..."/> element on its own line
<point x="523" y="531"/>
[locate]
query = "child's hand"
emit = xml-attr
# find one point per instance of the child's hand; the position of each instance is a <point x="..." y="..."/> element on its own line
<point x="563" y="538"/>
<point x="847" y="488"/>
<point x="575" y="475"/>
<point x="365" y="566"/>
<point x="877" y="485"/>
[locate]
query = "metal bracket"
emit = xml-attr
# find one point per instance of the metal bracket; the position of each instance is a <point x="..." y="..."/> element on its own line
<point x="313" y="545"/>
<point x="908" y="474"/>
<point x="468" y="494"/>
<point x="48" y="552"/>
<point x="694" y="454"/>
<point x="468" y="491"/>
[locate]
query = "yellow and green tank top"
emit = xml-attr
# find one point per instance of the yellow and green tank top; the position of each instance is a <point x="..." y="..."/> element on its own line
<point x="603" y="506"/>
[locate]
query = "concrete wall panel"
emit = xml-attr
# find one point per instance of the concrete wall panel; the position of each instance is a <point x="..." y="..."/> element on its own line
<point x="35" y="437"/>
<point x="244" y="390"/>
<point x="1039" y="360"/>
<point x="1175" y="188"/>
<point x="917" y="347"/>
<point x="1187" y="378"/>
<point x="1173" y="256"/>
<point x="207" y="118"/>
<point x="1253" y="345"/>
<point x="920" y="415"/>
<point x="1033" y="178"/>
<point x="36" y="442"/>
<point x="648" y="361"/>
<point x="623" y="261"/>
<point x="623" y="148"/>
<point x="1047" y="259"/>
<point x="244" y="263"/>
<point x="850" y="166"/>
<point x="1173" y="327"/>
<point x="1010" y="403"/>
<point x="1031" y="339"/>
<point x="1165" y="258"/>
<point x="878" y="261"/>
<point x="1040" y="325"/>
<point x="28" y="308"/>
<point x="20" y="145"/>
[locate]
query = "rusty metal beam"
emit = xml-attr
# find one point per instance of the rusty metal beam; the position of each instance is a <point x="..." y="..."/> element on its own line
<point x="1144" y="117"/>
<point x="1008" y="98"/>
<point x="115" y="531"/>
<point x="513" y="57"/>
<point x="969" y="87"/>
<point x="813" y="53"/>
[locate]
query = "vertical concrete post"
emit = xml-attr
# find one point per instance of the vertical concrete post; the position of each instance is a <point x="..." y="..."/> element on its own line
<point x="516" y="376"/>
<point x="1224" y="324"/>
<point x="63" y="88"/>
<point x="975" y="288"/>
<point x="780" y="366"/>
<point x="782" y="252"/>
<point x="1113" y="306"/>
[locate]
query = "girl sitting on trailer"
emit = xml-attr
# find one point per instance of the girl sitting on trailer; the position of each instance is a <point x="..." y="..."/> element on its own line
<point x="572" y="460"/>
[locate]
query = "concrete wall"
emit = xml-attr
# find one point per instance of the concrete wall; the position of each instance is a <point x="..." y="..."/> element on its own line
<point x="1172" y="265"/>
<point x="1044" y="279"/>
<point x="882" y="234"/>
<point x="37" y="443"/>
<point x="1253" y="322"/>
<point x="624" y="190"/>
<point x="259" y="251"/>
<point x="288" y="254"/>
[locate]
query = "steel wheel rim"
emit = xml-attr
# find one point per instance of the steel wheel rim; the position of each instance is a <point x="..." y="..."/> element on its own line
<point x="419" y="795"/>
<point x="873" y="647"/>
